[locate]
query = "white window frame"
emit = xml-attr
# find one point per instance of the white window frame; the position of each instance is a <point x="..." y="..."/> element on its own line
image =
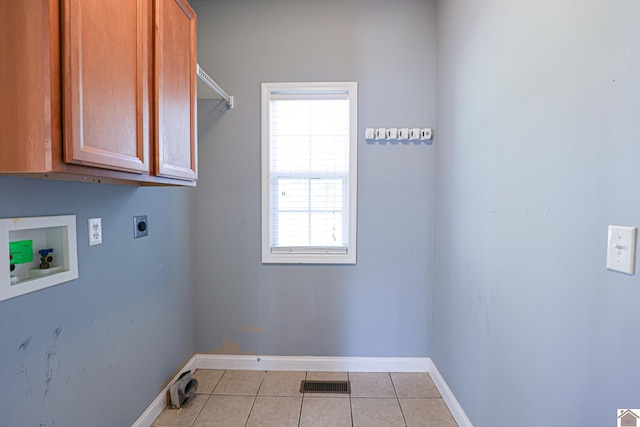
<point x="309" y="254"/>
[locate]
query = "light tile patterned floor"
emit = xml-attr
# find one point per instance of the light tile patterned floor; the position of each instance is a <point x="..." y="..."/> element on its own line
<point x="273" y="399"/>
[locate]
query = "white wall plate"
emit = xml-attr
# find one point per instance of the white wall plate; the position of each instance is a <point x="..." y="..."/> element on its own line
<point x="621" y="249"/>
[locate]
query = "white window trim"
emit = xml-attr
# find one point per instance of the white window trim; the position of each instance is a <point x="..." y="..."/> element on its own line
<point x="311" y="255"/>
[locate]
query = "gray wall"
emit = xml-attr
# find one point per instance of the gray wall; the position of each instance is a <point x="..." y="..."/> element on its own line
<point x="379" y="307"/>
<point x="96" y="351"/>
<point x="537" y="152"/>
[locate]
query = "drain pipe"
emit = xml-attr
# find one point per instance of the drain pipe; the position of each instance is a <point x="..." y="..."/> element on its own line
<point x="183" y="390"/>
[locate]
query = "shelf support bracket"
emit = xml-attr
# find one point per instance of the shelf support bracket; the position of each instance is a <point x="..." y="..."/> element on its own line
<point x="214" y="86"/>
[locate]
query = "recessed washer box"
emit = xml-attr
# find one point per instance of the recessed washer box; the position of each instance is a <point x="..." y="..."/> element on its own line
<point x="36" y="252"/>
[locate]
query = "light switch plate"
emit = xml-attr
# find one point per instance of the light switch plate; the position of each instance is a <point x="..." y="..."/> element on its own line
<point x="621" y="249"/>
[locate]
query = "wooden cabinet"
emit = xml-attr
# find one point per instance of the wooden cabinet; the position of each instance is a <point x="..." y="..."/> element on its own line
<point x="175" y="89"/>
<point x="98" y="90"/>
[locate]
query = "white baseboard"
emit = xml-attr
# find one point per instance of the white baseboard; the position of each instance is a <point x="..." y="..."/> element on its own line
<point x="160" y="402"/>
<point x="447" y="395"/>
<point x="310" y="363"/>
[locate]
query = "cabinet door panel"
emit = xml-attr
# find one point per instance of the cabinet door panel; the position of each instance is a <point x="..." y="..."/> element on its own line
<point x="27" y="85"/>
<point x="175" y="68"/>
<point x="106" y="109"/>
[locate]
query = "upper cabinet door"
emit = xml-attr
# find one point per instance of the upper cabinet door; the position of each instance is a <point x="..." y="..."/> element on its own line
<point x="175" y="85"/>
<point x="29" y="85"/>
<point x="106" y="83"/>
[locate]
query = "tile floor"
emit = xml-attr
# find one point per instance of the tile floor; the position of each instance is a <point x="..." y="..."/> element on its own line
<point x="229" y="398"/>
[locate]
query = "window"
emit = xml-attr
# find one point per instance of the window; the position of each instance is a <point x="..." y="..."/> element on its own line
<point x="309" y="146"/>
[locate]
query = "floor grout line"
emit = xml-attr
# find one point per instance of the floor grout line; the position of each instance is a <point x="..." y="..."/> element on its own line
<point x="393" y="384"/>
<point x="350" y="401"/>
<point x="199" y="412"/>
<point x="255" y="398"/>
<point x="306" y="375"/>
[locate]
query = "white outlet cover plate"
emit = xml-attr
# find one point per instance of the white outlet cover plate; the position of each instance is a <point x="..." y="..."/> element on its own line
<point x="621" y="249"/>
<point x="95" y="231"/>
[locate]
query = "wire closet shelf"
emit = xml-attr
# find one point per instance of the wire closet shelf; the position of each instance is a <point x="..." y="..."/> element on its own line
<point x="214" y="86"/>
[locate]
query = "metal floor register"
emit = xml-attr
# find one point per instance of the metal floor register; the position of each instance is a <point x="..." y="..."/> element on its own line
<point x="343" y="387"/>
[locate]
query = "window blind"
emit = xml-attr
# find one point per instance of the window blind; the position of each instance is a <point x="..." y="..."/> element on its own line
<point x="309" y="164"/>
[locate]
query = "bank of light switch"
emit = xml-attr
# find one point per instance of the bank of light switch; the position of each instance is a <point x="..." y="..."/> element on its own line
<point x="621" y="249"/>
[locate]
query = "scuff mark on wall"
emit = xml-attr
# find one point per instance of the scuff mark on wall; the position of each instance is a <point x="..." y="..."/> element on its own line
<point x="50" y="364"/>
<point x="22" y="349"/>
<point x="25" y="344"/>
<point x="250" y="329"/>
<point x="44" y="422"/>
<point x="229" y="347"/>
<point x="537" y="212"/>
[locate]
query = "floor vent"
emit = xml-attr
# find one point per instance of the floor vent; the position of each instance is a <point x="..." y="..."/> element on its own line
<point x="325" y="387"/>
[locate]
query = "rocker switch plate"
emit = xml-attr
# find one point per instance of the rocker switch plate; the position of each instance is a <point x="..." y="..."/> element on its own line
<point x="140" y="226"/>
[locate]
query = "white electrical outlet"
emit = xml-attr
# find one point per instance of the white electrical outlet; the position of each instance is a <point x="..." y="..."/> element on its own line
<point x="95" y="231"/>
<point x="621" y="249"/>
